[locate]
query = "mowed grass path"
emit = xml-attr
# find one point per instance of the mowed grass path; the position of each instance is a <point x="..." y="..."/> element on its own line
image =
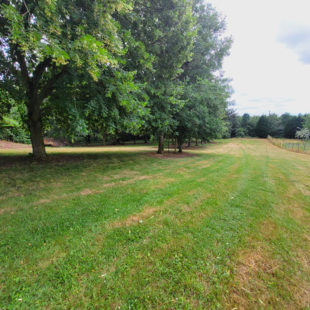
<point x="115" y="228"/>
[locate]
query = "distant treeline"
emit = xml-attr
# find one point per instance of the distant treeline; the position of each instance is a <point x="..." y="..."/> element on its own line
<point x="284" y="126"/>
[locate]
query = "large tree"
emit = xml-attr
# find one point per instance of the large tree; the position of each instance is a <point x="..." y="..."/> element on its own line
<point x="293" y="124"/>
<point x="262" y="127"/>
<point x="165" y="32"/>
<point x="41" y="41"/>
<point x="205" y="92"/>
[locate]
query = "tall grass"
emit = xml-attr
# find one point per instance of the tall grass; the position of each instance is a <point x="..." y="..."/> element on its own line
<point x="294" y="145"/>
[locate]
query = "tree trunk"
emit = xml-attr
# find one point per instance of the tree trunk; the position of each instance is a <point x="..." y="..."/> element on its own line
<point x="88" y="139"/>
<point x="180" y="144"/>
<point x="189" y="142"/>
<point x="160" y="144"/>
<point x="196" y="142"/>
<point x="36" y="130"/>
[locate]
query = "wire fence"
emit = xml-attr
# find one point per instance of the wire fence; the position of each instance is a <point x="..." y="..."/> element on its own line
<point x="294" y="145"/>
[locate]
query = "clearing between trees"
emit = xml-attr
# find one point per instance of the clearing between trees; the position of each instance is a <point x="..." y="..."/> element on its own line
<point x="115" y="228"/>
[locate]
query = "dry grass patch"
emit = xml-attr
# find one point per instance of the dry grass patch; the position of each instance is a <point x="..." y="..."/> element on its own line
<point x="130" y="181"/>
<point x="44" y="263"/>
<point x="303" y="189"/>
<point x="87" y="191"/>
<point x="256" y="273"/>
<point x="163" y="182"/>
<point x="269" y="230"/>
<point x="134" y="219"/>
<point x="7" y="210"/>
<point x="202" y="163"/>
<point x="11" y="195"/>
<point x="291" y="201"/>
<point x="43" y="201"/>
<point x="250" y="288"/>
<point x="298" y="212"/>
<point x="233" y="148"/>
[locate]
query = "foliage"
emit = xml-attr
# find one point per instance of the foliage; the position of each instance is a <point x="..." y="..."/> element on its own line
<point x="234" y="122"/>
<point x="303" y="134"/>
<point x="276" y="127"/>
<point x="99" y="69"/>
<point x="293" y="124"/>
<point x="42" y="42"/>
<point x="285" y="125"/>
<point x="112" y="105"/>
<point x="263" y="127"/>
<point x="11" y="119"/>
<point x="245" y="124"/>
<point x="205" y="94"/>
<point x="166" y="29"/>
<point x="306" y="121"/>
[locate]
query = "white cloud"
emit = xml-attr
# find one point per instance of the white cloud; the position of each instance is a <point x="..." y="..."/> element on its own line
<point x="269" y="58"/>
<point x="297" y="37"/>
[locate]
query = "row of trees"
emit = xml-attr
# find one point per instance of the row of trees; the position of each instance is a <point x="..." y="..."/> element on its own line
<point x="286" y="125"/>
<point x="104" y="68"/>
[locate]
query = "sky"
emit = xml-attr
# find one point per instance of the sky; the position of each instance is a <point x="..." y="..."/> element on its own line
<point x="269" y="62"/>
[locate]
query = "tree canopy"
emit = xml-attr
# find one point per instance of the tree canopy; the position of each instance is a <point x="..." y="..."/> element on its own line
<point x="97" y="68"/>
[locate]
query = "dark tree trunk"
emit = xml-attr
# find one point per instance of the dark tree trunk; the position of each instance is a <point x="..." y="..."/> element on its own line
<point x="36" y="93"/>
<point x="88" y="139"/>
<point x="160" y="144"/>
<point x="180" y="144"/>
<point x="196" y="142"/>
<point x="36" y="130"/>
<point x="189" y="142"/>
<point x="146" y="138"/>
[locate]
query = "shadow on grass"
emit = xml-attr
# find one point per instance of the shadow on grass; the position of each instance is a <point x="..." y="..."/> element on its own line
<point x="9" y="160"/>
<point x="61" y="158"/>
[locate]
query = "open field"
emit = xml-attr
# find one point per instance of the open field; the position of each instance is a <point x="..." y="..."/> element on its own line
<point x="293" y="145"/>
<point x="117" y="228"/>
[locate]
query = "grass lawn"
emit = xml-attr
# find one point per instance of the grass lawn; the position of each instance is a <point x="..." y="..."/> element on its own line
<point x="116" y="228"/>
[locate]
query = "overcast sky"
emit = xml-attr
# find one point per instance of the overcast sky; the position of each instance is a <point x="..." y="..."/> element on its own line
<point x="270" y="58"/>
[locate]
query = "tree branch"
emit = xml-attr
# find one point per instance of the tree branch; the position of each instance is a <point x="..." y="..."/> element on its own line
<point x="23" y="66"/>
<point x="49" y="86"/>
<point x="38" y="72"/>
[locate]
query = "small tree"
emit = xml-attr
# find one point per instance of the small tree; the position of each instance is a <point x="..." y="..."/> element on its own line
<point x="303" y="134"/>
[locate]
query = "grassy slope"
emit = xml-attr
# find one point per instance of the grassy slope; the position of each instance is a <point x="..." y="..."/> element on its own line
<point x="228" y="228"/>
